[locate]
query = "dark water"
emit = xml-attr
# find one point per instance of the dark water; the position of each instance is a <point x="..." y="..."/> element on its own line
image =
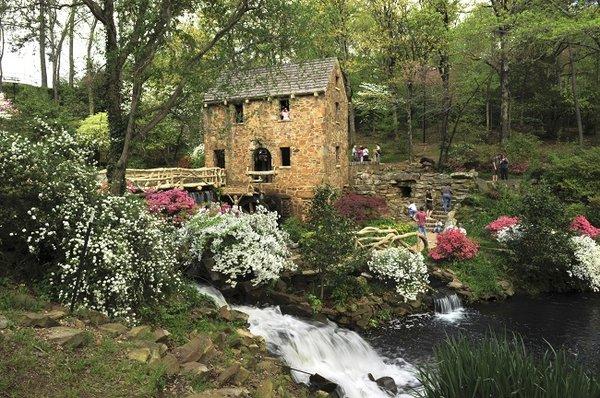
<point x="568" y="321"/>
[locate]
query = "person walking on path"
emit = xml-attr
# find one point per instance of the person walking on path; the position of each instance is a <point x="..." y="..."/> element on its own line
<point x="359" y="154"/>
<point x="504" y="168"/>
<point x="446" y="198"/>
<point x="354" y="154"/>
<point x="412" y="210"/>
<point x="377" y="154"/>
<point x="429" y="202"/>
<point x="421" y="218"/>
<point x="495" y="167"/>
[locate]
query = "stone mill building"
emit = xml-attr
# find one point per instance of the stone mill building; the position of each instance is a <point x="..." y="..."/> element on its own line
<point x="281" y="131"/>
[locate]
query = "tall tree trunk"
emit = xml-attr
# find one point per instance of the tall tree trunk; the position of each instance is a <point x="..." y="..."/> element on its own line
<point x="444" y="70"/>
<point x="2" y="45"/>
<point x="504" y="89"/>
<point x="409" y="117"/>
<point x="488" y="110"/>
<point x="72" y="45"/>
<point x="89" y="67"/>
<point x="42" y="43"/>
<point x="575" y="95"/>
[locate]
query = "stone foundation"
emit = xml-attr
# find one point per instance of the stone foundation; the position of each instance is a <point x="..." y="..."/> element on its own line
<point x="403" y="183"/>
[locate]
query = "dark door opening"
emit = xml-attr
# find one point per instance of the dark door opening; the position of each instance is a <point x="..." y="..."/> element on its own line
<point x="219" y="158"/>
<point x="263" y="162"/>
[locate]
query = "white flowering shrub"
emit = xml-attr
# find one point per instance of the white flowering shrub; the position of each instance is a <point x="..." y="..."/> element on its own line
<point x="48" y="196"/>
<point x="403" y="267"/>
<point x="244" y="246"/>
<point x="509" y="234"/>
<point x="587" y="264"/>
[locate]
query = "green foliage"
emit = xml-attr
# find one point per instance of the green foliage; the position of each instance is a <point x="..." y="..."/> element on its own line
<point x="295" y="228"/>
<point x="93" y="132"/>
<point x="329" y="240"/>
<point x="481" y="273"/>
<point x="575" y="176"/>
<point x="543" y="254"/>
<point x="315" y="303"/>
<point x="521" y="147"/>
<point x="501" y="367"/>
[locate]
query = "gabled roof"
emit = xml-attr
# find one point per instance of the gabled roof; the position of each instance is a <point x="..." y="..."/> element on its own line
<point x="293" y="78"/>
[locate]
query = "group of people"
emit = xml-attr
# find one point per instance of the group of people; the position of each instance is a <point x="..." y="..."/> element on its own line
<point x="500" y="166"/>
<point x="421" y="214"/>
<point x="361" y="154"/>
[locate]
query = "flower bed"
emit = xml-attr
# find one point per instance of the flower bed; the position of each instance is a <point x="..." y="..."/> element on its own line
<point x="587" y="265"/>
<point x="175" y="203"/>
<point x="581" y="225"/>
<point x="453" y="244"/>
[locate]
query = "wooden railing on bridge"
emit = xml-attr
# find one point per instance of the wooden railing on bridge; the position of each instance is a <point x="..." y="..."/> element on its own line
<point x="173" y="177"/>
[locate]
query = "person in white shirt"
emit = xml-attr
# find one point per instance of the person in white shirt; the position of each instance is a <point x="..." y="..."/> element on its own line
<point x="412" y="210"/>
<point x="285" y="114"/>
<point x="366" y="154"/>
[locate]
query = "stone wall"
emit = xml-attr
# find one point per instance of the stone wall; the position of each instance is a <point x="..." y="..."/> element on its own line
<point x="403" y="183"/>
<point x="317" y="135"/>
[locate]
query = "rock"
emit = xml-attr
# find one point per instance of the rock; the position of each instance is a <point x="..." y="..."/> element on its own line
<point x="161" y="335"/>
<point x="241" y="376"/>
<point x="113" y="329"/>
<point x="57" y="314"/>
<point x="193" y="350"/>
<point x="416" y="304"/>
<point x="265" y="390"/>
<point x="228" y="374"/>
<point x="3" y="322"/>
<point x="194" y="368"/>
<point x="386" y="384"/>
<point x="142" y="354"/>
<point x="239" y="316"/>
<point x="318" y="382"/>
<point x="209" y="354"/>
<point x="225" y="313"/>
<point x="506" y="287"/>
<point x="267" y="365"/>
<point x="93" y="317"/>
<point x="140" y="332"/>
<point x="37" y="320"/>
<point x="65" y="336"/>
<point x="455" y="284"/>
<point x="222" y="393"/>
<point x="170" y="364"/>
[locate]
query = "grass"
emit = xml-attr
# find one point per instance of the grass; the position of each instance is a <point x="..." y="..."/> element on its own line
<point x="500" y="367"/>
<point x="30" y="367"/>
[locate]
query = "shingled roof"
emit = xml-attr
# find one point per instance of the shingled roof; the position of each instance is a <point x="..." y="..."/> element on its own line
<point x="293" y="78"/>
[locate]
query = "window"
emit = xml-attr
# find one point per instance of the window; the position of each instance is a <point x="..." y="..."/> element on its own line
<point x="337" y="108"/>
<point x="284" y="109"/>
<point x="286" y="156"/>
<point x="239" y="113"/>
<point x="337" y="154"/>
<point x="219" y="160"/>
<point x="337" y="79"/>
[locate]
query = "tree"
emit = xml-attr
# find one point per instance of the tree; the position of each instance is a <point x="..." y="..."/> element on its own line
<point x="135" y="31"/>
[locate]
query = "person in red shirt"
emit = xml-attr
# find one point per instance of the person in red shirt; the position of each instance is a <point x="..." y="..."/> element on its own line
<point x="421" y="218"/>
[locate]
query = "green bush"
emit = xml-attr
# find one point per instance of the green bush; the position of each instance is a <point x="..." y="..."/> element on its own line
<point x="500" y="367"/>
<point x="481" y="273"/>
<point x="522" y="148"/>
<point x="295" y="228"/>
<point x="93" y="132"/>
<point x="574" y="176"/>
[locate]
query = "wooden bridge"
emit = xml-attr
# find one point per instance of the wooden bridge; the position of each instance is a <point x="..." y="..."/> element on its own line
<point x="174" y="177"/>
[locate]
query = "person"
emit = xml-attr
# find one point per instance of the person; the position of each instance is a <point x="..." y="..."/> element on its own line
<point x="354" y="154"/>
<point x="359" y="154"/>
<point x="495" y="167"/>
<point x="421" y="218"/>
<point x="285" y="114"/>
<point x="446" y="198"/>
<point x="377" y="154"/>
<point x="439" y="227"/>
<point x="412" y="210"/>
<point x="429" y="202"/>
<point x="504" y="168"/>
<point x="366" y="154"/>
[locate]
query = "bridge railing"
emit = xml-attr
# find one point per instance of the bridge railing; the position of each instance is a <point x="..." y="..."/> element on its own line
<point x="172" y="177"/>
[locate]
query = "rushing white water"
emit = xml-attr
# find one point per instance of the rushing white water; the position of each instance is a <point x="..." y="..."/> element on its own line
<point x="212" y="293"/>
<point x="337" y="354"/>
<point x="449" y="308"/>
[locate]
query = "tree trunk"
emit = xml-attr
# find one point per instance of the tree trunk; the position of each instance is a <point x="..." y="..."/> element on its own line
<point x="2" y="45"/>
<point x="504" y="90"/>
<point x="89" y="67"/>
<point x="409" y="117"/>
<point x="575" y="95"/>
<point x="424" y="116"/>
<point x="42" y="43"/>
<point x="488" y="110"/>
<point x="72" y="45"/>
<point x="444" y="69"/>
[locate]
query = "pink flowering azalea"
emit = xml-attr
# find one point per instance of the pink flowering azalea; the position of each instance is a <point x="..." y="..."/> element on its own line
<point x="172" y="202"/>
<point x="453" y="244"/>
<point x="501" y="223"/>
<point x="584" y="227"/>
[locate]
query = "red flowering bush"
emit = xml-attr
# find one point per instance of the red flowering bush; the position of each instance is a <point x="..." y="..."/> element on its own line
<point x="500" y="223"/>
<point x="361" y="208"/>
<point x="453" y="244"/>
<point x="174" y="202"/>
<point x="583" y="226"/>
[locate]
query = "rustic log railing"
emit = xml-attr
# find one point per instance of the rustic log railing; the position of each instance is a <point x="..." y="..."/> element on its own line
<point x="380" y="238"/>
<point x="175" y="177"/>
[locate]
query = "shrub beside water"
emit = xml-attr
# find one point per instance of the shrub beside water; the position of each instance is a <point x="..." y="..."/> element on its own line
<point x="500" y="367"/>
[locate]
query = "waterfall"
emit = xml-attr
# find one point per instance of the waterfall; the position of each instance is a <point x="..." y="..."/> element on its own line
<point x="212" y="293"/>
<point x="448" y="307"/>
<point x="337" y="354"/>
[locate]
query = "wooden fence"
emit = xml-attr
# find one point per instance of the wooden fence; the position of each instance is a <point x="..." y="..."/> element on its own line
<point x="175" y="177"/>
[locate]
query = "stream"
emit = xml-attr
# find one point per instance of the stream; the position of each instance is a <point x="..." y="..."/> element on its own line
<point x="346" y="358"/>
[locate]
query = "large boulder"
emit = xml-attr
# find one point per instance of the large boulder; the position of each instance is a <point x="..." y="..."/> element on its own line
<point x="3" y="322"/>
<point x="65" y="336"/>
<point x="113" y="329"/>
<point x="194" y="368"/>
<point x="141" y="354"/>
<point x="39" y="320"/>
<point x="228" y="374"/>
<point x="170" y="364"/>
<point x="193" y="350"/>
